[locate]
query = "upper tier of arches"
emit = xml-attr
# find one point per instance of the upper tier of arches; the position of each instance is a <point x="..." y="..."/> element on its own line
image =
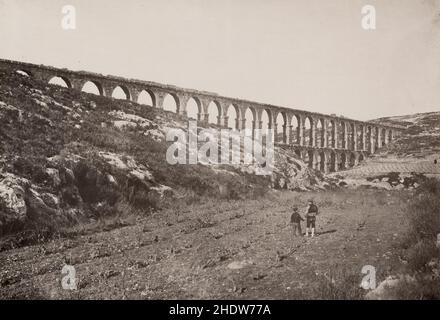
<point x="290" y="126"/>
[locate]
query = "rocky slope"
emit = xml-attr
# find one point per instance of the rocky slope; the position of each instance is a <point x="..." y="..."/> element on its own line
<point x="407" y="161"/>
<point x="68" y="156"/>
<point x="420" y="139"/>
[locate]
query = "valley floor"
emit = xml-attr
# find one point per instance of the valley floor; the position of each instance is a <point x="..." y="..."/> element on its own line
<point x="220" y="250"/>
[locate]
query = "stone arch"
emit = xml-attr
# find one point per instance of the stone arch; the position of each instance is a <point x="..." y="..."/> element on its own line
<point x="193" y="107"/>
<point x="361" y="157"/>
<point x="120" y="92"/>
<point x="390" y="136"/>
<point x="309" y="157"/>
<point x="368" y="138"/>
<point x="93" y="87"/>
<point x="295" y="122"/>
<point x="147" y="97"/>
<point x="350" y="136"/>
<point x="360" y="137"/>
<point x="342" y="133"/>
<point x="331" y="133"/>
<point x="214" y="111"/>
<point x="352" y="159"/>
<point x="250" y="116"/>
<point x="233" y="114"/>
<point x="383" y="136"/>
<point x="342" y="161"/>
<point x="266" y="120"/>
<point x="376" y="138"/>
<point x="281" y="127"/>
<point x="171" y="102"/>
<point x="333" y="161"/>
<point x="322" y="164"/>
<point x="320" y="136"/>
<point x="60" y="81"/>
<point x="308" y="131"/>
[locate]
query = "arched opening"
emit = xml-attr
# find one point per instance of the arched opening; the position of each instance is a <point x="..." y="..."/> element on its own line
<point x="308" y="134"/>
<point x="368" y="139"/>
<point x="360" y="138"/>
<point x="265" y="121"/>
<point x="343" y="161"/>
<point x="352" y="160"/>
<point x="121" y="92"/>
<point x="383" y="136"/>
<point x="331" y="134"/>
<point x="24" y="73"/>
<point x="60" y="81"/>
<point x="305" y="157"/>
<point x="294" y="135"/>
<point x="320" y="133"/>
<point x="322" y="161"/>
<point x="361" y="157"/>
<point x="214" y="111"/>
<point x="298" y="153"/>
<point x="350" y="136"/>
<point x="332" y="162"/>
<point x="146" y="97"/>
<point x="281" y="128"/>
<point x="250" y="116"/>
<point x="93" y="87"/>
<point x="390" y="136"/>
<point x="170" y="103"/>
<point x="193" y="108"/>
<point x="376" y="138"/>
<point x="232" y="114"/>
<point x="342" y="139"/>
<point x="311" y="156"/>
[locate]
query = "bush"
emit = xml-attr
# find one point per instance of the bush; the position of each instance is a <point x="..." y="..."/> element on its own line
<point x="419" y="245"/>
<point x="424" y="213"/>
<point x="340" y="283"/>
<point x="419" y="256"/>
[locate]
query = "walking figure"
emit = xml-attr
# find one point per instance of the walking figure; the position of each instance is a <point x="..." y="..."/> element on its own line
<point x="295" y="221"/>
<point x="312" y="212"/>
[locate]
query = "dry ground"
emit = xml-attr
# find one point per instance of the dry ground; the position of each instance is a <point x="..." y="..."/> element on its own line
<point x="184" y="252"/>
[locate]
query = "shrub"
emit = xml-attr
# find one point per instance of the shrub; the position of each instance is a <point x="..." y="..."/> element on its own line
<point x="421" y="254"/>
<point x="340" y="283"/>
<point x="419" y="245"/>
<point x="424" y="212"/>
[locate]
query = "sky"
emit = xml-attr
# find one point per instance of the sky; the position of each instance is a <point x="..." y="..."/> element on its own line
<point x="305" y="54"/>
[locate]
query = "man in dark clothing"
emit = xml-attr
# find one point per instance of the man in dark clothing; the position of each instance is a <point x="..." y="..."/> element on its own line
<point x="295" y="220"/>
<point x="312" y="212"/>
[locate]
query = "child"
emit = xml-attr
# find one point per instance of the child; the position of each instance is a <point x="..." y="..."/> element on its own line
<point x="295" y="220"/>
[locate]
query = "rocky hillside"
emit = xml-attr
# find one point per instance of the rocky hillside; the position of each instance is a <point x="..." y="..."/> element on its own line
<point x="68" y="156"/>
<point x="420" y="139"/>
<point x="407" y="161"/>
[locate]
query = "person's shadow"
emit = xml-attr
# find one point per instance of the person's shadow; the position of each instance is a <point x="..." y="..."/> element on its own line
<point x="323" y="232"/>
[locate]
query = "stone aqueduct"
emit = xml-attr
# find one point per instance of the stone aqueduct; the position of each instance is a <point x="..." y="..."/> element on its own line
<point x="330" y="143"/>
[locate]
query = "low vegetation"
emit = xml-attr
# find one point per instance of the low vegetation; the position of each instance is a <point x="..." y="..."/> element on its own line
<point x="66" y="157"/>
<point x="421" y="246"/>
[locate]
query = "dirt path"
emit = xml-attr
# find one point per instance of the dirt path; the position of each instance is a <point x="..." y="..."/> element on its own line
<point x="217" y="250"/>
<point x="383" y="166"/>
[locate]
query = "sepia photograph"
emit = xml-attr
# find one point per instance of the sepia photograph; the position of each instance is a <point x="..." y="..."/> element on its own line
<point x="219" y="155"/>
